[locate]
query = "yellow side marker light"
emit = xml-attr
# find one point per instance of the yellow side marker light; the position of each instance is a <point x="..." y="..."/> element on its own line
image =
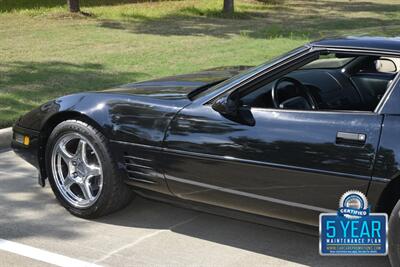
<point x="26" y="140"/>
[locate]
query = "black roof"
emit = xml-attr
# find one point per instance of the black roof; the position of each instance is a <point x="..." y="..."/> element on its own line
<point x="391" y="44"/>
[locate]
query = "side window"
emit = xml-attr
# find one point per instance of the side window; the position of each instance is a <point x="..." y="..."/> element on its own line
<point x="333" y="81"/>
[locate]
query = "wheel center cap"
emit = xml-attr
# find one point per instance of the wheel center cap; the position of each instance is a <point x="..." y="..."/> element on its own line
<point x="81" y="170"/>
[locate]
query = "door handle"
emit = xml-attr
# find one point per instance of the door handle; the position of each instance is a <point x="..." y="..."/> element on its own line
<point x="351" y="138"/>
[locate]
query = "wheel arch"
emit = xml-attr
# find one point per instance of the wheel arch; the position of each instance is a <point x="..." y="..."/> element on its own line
<point x="389" y="197"/>
<point x="48" y="127"/>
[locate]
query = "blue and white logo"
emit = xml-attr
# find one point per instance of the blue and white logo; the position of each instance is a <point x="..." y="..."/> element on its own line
<point x="353" y="230"/>
<point x="353" y="205"/>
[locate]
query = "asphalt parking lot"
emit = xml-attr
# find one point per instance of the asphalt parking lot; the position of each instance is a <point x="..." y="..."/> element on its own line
<point x="146" y="233"/>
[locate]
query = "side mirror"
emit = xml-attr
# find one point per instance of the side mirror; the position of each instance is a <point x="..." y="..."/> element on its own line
<point x="385" y="65"/>
<point x="232" y="110"/>
<point x="225" y="106"/>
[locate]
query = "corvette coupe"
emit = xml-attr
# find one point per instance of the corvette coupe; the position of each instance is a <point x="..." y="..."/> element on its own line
<point x="284" y="139"/>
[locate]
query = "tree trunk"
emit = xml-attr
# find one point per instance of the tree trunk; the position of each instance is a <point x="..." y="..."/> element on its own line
<point x="73" y="5"/>
<point x="228" y="6"/>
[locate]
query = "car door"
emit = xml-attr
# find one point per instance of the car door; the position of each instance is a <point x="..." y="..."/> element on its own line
<point x="290" y="165"/>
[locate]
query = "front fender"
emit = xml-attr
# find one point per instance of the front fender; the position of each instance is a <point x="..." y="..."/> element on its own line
<point x="124" y="118"/>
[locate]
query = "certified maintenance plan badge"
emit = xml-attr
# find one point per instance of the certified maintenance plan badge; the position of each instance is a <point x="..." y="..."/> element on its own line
<point x="353" y="230"/>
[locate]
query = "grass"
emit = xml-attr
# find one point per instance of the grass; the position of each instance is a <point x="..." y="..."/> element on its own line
<point x="46" y="52"/>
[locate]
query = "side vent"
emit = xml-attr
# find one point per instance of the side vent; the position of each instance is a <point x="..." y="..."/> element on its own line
<point x="139" y="169"/>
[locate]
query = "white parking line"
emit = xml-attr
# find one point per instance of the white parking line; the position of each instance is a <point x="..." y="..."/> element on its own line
<point x="42" y="255"/>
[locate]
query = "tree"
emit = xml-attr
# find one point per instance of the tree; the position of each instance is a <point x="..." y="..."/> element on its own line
<point x="228" y="6"/>
<point x="73" y="6"/>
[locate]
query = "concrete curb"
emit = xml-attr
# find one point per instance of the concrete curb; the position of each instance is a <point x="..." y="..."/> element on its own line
<point x="5" y="137"/>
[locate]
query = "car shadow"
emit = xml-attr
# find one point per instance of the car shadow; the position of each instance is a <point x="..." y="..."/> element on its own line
<point x="289" y="241"/>
<point x="21" y="198"/>
<point x="28" y="212"/>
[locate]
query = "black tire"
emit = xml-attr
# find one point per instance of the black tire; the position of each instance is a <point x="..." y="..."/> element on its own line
<point x="394" y="236"/>
<point x="115" y="195"/>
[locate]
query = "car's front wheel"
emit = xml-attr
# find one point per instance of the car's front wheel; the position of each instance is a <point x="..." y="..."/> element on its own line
<point x="82" y="173"/>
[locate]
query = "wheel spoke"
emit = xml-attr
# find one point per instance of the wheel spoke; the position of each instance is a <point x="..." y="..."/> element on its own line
<point x="81" y="151"/>
<point x="64" y="154"/>
<point x="86" y="191"/>
<point x="68" y="181"/>
<point x="93" y="171"/>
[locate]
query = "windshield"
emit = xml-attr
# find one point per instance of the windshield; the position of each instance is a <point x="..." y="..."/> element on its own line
<point x="248" y="73"/>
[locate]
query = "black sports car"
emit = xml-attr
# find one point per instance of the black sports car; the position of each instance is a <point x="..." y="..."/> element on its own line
<point x="285" y="139"/>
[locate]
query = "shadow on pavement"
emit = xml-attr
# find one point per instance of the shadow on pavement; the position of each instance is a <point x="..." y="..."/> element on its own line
<point x="149" y="230"/>
<point x="262" y="239"/>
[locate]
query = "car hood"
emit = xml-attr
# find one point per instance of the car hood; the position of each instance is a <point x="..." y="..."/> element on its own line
<point x="178" y="87"/>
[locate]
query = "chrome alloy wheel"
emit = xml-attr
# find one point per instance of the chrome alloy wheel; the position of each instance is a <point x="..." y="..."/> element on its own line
<point x="77" y="170"/>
